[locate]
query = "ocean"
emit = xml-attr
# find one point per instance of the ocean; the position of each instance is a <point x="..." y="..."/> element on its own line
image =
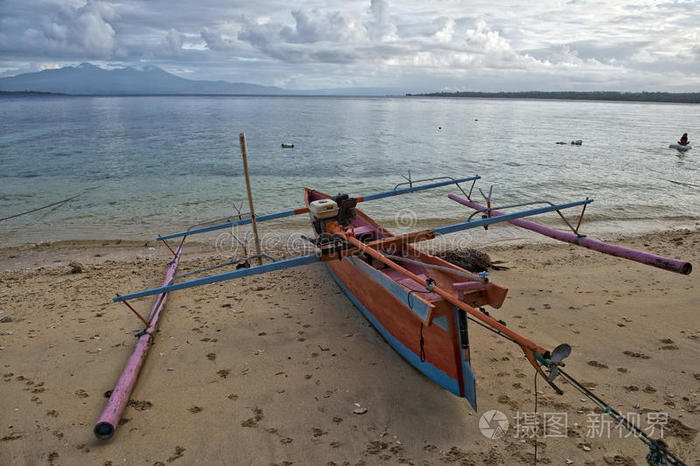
<point x="149" y="165"/>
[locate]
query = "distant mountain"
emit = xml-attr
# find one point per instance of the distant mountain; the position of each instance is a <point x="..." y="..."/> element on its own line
<point x="87" y="79"/>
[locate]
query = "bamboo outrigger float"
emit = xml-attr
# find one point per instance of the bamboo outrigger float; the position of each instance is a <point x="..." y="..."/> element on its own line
<point x="420" y="304"/>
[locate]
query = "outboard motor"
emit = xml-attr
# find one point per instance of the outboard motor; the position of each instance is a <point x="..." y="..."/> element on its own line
<point x="346" y="209"/>
<point x="339" y="209"/>
<point x="323" y="211"/>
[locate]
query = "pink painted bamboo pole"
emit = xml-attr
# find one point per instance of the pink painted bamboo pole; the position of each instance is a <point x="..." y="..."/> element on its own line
<point x="105" y="427"/>
<point x="632" y="254"/>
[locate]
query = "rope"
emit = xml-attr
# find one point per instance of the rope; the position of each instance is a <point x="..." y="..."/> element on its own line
<point x="57" y="204"/>
<point x="658" y="451"/>
<point x="422" y="342"/>
<point x="658" y="455"/>
<point x="536" y="374"/>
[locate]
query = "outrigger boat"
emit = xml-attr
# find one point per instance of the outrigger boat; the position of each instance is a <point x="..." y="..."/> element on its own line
<point x="420" y="304"/>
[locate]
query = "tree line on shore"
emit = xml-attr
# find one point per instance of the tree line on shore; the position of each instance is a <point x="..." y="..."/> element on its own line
<point x="674" y="97"/>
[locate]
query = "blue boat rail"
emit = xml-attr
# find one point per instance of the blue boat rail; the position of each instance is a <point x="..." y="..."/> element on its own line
<point x="312" y="258"/>
<point x="292" y="212"/>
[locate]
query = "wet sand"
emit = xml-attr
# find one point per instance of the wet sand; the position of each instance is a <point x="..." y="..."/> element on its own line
<point x="270" y="369"/>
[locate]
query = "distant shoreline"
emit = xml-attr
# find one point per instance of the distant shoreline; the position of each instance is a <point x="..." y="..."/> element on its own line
<point x="648" y="97"/>
<point x="665" y="97"/>
<point x="30" y="93"/>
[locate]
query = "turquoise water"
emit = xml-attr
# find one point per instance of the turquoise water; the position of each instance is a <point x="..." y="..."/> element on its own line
<point x="161" y="163"/>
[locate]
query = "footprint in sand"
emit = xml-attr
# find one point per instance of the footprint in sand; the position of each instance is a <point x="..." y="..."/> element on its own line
<point x="635" y="354"/>
<point x="195" y="409"/>
<point x="178" y="454"/>
<point x="39" y="388"/>
<point x="597" y="364"/>
<point x="211" y="356"/>
<point x="140" y="405"/>
<point x="375" y="447"/>
<point x="253" y="421"/>
<point x="223" y="373"/>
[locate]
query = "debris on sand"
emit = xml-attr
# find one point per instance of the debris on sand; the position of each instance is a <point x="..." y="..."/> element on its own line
<point x="470" y="259"/>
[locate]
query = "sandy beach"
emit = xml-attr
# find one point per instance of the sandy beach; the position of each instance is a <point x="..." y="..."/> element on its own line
<point x="270" y="369"/>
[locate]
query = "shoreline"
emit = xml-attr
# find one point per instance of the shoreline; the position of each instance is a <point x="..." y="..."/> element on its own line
<point x="269" y="368"/>
<point x="284" y="244"/>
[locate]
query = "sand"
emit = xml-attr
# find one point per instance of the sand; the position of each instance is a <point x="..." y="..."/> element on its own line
<point x="270" y="369"/>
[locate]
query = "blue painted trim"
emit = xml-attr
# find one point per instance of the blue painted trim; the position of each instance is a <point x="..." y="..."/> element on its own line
<point x="417" y="305"/>
<point x="396" y="192"/>
<point x="220" y="226"/>
<point x="506" y="217"/>
<point x="441" y="321"/>
<point x="435" y="374"/>
<point x="467" y="374"/>
<point x="289" y="213"/>
<point x="272" y="266"/>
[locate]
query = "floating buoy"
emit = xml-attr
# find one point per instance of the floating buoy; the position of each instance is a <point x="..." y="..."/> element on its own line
<point x="287" y="146"/>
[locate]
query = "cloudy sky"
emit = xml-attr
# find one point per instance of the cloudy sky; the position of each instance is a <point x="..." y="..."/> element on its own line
<point x="408" y="45"/>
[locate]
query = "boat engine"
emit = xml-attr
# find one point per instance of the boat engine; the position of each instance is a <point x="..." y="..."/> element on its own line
<point x="339" y="209"/>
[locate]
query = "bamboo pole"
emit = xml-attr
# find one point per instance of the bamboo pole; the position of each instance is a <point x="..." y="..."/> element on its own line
<point x="109" y="420"/>
<point x="244" y="154"/>
<point x="642" y="257"/>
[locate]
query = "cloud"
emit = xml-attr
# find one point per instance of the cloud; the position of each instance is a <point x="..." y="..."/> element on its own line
<point x="217" y="42"/>
<point x="404" y="44"/>
<point x="174" y="41"/>
<point x="381" y="28"/>
<point x="94" y="30"/>
<point x="61" y="30"/>
<point x="314" y="26"/>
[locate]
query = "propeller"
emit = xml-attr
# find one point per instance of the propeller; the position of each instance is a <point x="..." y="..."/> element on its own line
<point x="559" y="353"/>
